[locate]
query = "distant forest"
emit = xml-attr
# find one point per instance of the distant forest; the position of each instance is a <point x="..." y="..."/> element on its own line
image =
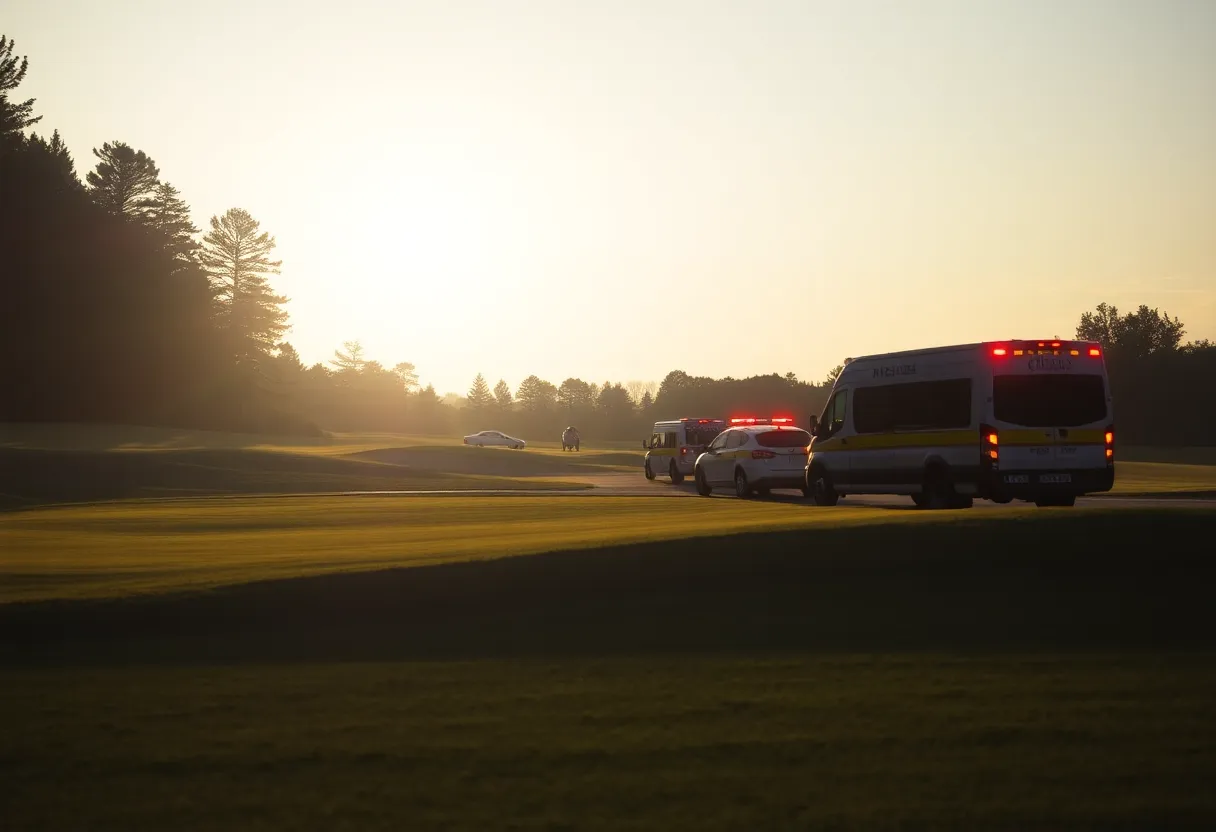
<point x="119" y="310"/>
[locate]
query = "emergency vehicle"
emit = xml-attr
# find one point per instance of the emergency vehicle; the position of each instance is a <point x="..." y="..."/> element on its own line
<point x="1025" y="420"/>
<point x="754" y="456"/>
<point x="674" y="446"/>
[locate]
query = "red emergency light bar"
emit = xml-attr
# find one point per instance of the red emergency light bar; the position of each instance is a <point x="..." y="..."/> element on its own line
<point x="752" y="420"/>
<point x="1019" y="348"/>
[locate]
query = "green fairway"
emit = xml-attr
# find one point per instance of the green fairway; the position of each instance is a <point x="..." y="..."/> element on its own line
<point x="42" y="464"/>
<point x="1014" y="670"/>
<point x="928" y="741"/>
<point x="119" y="548"/>
<point x="1164" y="478"/>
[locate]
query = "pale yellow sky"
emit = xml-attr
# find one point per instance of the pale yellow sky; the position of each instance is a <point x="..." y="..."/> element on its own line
<point x="615" y="190"/>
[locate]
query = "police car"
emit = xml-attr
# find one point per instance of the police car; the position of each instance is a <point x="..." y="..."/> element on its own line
<point x="754" y="456"/>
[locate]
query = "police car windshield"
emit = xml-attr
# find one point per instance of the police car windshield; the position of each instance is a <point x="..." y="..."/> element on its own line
<point x="1061" y="401"/>
<point x="783" y="438"/>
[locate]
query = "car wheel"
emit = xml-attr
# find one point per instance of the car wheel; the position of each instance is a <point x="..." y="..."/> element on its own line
<point x="649" y="473"/>
<point x="821" y="489"/>
<point x="743" y="488"/>
<point x="674" y="471"/>
<point x="702" y="485"/>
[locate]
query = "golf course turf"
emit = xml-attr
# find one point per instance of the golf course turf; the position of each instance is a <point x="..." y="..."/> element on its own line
<point x="555" y="663"/>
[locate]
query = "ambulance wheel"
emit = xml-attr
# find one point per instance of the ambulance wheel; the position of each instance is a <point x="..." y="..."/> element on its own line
<point x="702" y="486"/>
<point x="674" y="471"/>
<point x="939" y="493"/>
<point x="1060" y="502"/>
<point x="743" y="488"/>
<point x="649" y="473"/>
<point x="821" y="489"/>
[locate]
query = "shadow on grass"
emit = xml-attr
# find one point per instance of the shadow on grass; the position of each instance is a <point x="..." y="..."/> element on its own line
<point x="1059" y="581"/>
<point x="35" y="477"/>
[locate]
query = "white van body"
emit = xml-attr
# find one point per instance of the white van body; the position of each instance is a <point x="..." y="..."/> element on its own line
<point x="675" y="444"/>
<point x="1028" y="420"/>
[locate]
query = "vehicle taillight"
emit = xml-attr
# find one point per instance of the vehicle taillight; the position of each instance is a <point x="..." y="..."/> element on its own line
<point x="1000" y="352"/>
<point x="1094" y="352"/>
<point x="763" y="455"/>
<point x="991" y="443"/>
<point x="683" y="451"/>
<point x="1110" y="443"/>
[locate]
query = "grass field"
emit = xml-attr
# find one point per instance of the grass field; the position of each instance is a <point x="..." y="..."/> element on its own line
<point x="42" y="464"/>
<point x="1004" y="672"/>
<point x="1031" y="742"/>
<point x="582" y="663"/>
<point x="120" y="548"/>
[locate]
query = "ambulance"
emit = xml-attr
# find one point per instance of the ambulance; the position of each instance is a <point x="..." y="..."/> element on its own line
<point x="674" y="446"/>
<point x="1002" y="421"/>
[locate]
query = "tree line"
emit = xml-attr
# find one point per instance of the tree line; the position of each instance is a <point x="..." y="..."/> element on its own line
<point x="118" y="309"/>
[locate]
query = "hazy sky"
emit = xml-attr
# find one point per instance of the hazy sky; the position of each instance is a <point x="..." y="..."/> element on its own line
<point x="614" y="190"/>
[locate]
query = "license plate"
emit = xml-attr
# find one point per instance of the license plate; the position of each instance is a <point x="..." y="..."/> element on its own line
<point x="1017" y="479"/>
<point x="1055" y="478"/>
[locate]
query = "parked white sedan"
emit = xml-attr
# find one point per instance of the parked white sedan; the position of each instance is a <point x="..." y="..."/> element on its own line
<point x="494" y="437"/>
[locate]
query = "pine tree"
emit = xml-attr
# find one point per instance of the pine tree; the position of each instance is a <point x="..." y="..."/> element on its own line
<point x="168" y="215"/>
<point x="124" y="180"/>
<point x="350" y="362"/>
<point x="237" y="260"/>
<point x="536" y="394"/>
<point x="58" y="158"/>
<point x="14" y="117"/>
<point x="480" y="397"/>
<point x="502" y="395"/>
<point x="407" y="373"/>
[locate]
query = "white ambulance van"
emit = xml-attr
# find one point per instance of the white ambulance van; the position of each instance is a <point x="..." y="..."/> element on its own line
<point x="674" y="446"/>
<point x="1009" y="420"/>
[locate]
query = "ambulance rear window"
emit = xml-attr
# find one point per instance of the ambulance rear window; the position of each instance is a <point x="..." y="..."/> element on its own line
<point x="1049" y="401"/>
<point x="783" y="438"/>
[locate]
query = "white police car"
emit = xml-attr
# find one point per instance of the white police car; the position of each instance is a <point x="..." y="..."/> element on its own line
<point x="754" y="456"/>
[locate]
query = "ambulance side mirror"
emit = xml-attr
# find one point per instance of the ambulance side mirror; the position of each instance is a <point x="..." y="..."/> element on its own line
<point x="814" y="425"/>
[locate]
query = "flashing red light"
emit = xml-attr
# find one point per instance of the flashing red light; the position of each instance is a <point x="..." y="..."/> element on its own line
<point x="1094" y="352"/>
<point x="751" y="420"/>
<point x="781" y="421"/>
<point x="1000" y="352"/>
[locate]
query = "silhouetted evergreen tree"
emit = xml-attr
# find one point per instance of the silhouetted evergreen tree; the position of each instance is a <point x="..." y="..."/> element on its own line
<point x="480" y="397"/>
<point x="236" y="256"/>
<point x="15" y="116"/>
<point x="124" y="180"/>
<point x="167" y="214"/>
<point x="503" y="397"/>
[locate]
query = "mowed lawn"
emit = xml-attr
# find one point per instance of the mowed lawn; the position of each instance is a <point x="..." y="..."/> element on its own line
<point x="968" y="670"/>
<point x="119" y="548"/>
<point x="1164" y="478"/>
<point x="861" y="742"/>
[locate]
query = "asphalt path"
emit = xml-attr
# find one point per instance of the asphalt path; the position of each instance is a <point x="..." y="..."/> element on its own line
<point x="635" y="485"/>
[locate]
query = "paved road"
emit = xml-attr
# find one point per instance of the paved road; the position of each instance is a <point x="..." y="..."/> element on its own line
<point x="635" y="485"/>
